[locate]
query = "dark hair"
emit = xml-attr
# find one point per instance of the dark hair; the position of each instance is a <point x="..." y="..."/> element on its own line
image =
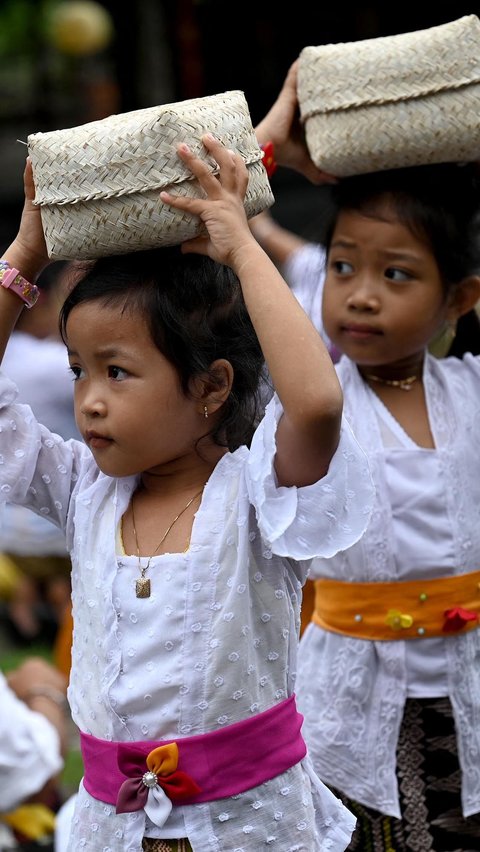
<point x="49" y="277"/>
<point x="440" y="204"/>
<point x="195" y="312"/>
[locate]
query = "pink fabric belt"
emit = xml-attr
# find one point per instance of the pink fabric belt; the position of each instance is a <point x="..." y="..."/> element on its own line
<point x="195" y="769"/>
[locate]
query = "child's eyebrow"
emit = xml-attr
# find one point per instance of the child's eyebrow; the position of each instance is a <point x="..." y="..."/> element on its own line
<point x="342" y="243"/>
<point x="387" y="252"/>
<point x="401" y="255"/>
<point x="105" y="352"/>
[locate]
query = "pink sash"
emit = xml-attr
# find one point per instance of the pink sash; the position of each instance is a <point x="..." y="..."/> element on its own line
<point x="202" y="768"/>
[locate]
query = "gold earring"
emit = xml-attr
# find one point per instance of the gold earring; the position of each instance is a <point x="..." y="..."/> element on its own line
<point x="205" y="412"/>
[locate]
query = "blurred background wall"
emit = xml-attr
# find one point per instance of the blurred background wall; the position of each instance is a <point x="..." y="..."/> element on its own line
<point x="66" y="62"/>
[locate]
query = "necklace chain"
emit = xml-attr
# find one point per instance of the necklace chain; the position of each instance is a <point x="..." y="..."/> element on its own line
<point x="404" y="384"/>
<point x="142" y="585"/>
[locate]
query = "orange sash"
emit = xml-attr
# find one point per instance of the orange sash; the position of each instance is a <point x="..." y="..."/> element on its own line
<point x="410" y="609"/>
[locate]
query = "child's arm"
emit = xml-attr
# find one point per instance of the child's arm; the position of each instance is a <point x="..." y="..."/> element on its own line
<point x="298" y="362"/>
<point x="279" y="242"/>
<point x="28" y="254"/>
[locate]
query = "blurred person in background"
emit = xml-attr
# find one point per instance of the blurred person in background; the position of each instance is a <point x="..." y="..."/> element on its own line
<point x="33" y="742"/>
<point x="34" y="562"/>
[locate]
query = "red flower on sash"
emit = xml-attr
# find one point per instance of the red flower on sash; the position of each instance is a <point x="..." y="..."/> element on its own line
<point x="157" y="770"/>
<point x="456" y="618"/>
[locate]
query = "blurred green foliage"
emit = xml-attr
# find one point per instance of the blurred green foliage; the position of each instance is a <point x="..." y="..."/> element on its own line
<point x="23" y="26"/>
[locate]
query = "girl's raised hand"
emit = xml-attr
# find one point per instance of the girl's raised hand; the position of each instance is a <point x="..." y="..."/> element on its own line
<point x="28" y="251"/>
<point x="222" y="210"/>
<point x="281" y="126"/>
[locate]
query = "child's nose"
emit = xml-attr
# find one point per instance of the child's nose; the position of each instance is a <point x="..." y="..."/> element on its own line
<point x="363" y="295"/>
<point x="92" y="404"/>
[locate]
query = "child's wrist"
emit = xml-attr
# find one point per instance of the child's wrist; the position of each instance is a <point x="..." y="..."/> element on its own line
<point x="265" y="132"/>
<point x="12" y="279"/>
<point x="21" y="256"/>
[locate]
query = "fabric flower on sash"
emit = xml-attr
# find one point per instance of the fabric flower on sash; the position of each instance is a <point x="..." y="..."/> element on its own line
<point x="398" y="620"/>
<point x="153" y="783"/>
<point x="457" y="617"/>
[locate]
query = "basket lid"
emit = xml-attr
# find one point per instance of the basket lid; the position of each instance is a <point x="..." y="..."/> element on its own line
<point x="136" y="151"/>
<point x="390" y="68"/>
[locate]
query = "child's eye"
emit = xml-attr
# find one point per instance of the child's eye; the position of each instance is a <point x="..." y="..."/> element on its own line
<point x="116" y="372"/>
<point x="341" y="267"/>
<point x="76" y="371"/>
<point x="395" y="274"/>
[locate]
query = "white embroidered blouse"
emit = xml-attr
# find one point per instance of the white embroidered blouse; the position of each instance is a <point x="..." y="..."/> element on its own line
<point x="217" y="640"/>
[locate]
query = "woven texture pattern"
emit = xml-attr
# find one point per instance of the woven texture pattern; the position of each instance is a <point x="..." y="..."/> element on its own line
<point x="98" y="184"/>
<point x="401" y="100"/>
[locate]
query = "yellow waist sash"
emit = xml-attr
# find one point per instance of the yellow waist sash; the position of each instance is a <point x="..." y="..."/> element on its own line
<point x="410" y="609"/>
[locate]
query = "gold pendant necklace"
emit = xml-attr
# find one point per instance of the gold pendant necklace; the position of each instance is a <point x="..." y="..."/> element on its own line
<point x="403" y="384"/>
<point x="142" y="585"/>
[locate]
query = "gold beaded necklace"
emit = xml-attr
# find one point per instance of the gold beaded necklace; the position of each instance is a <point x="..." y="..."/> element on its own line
<point x="404" y="384"/>
<point x="142" y="585"/>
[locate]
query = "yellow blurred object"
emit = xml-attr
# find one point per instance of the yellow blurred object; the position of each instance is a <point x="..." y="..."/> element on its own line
<point x="32" y="821"/>
<point x="9" y="576"/>
<point x="80" y="28"/>
<point x="62" y="648"/>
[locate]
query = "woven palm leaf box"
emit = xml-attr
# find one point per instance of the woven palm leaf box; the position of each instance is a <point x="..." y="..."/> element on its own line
<point x="98" y="184"/>
<point x="403" y="100"/>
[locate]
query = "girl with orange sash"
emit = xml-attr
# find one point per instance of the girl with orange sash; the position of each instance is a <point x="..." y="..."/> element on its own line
<point x="389" y="667"/>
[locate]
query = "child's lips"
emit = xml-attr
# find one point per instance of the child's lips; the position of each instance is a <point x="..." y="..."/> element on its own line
<point x="97" y="441"/>
<point x="360" y="330"/>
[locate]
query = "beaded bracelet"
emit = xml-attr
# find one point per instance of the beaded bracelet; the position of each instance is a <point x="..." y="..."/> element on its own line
<point x="12" y="279"/>
<point x="268" y="159"/>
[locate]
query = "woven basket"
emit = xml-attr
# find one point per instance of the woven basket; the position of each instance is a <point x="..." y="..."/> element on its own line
<point x="401" y="100"/>
<point x="98" y="184"/>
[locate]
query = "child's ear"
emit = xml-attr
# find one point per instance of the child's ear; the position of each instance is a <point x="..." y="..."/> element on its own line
<point x="464" y="297"/>
<point x="213" y="388"/>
